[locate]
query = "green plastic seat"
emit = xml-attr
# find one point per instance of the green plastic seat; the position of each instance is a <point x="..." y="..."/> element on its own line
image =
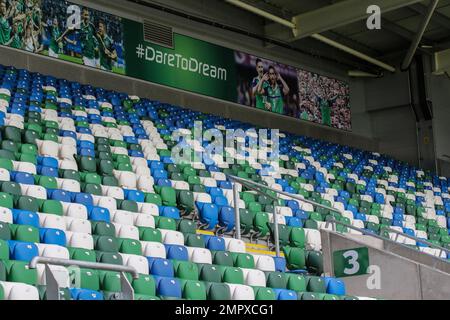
<point x="5" y="231"/>
<point x="109" y="258"/>
<point x="130" y="246"/>
<point x="193" y="290"/>
<point x="153" y="198"/>
<point x="19" y="271"/>
<point x="70" y="174"/>
<point x="29" y="149"/>
<point x="309" y="296"/>
<point x="9" y="145"/>
<point x="6" y="200"/>
<point x="223" y="258"/>
<point x="6" y="154"/>
<point x="25" y="233"/>
<point x="218" y="291"/>
<point x="110" y="281"/>
<point x="27" y="203"/>
<point x="295" y="258"/>
<point x="94" y="189"/>
<point x="87" y="164"/>
<point x="186" y="226"/>
<point x="166" y="223"/>
<point x="210" y="273"/>
<point x="4" y="250"/>
<point x="194" y="240"/>
<point x="52" y="206"/>
<point x="106" y="167"/>
<point x="103" y="229"/>
<point x="12" y="133"/>
<point x="276" y="280"/>
<point x="6" y="164"/>
<point x="106" y="244"/>
<point x="168" y="196"/>
<point x="296" y="282"/>
<point x="82" y="254"/>
<point x="144" y="285"/>
<point x="314" y="262"/>
<point x="243" y="260"/>
<point x="128" y="205"/>
<point x="185" y="201"/>
<point x="297" y="237"/>
<point x="110" y="181"/>
<point x="232" y="275"/>
<point x="316" y="284"/>
<point x="88" y="279"/>
<point x="247" y="219"/>
<point x="264" y="294"/>
<point x="186" y="270"/>
<point x="12" y="188"/>
<point x="261" y="224"/>
<point x="149" y="234"/>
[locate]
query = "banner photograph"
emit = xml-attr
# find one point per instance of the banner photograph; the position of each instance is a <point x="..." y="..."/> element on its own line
<point x="62" y="30"/>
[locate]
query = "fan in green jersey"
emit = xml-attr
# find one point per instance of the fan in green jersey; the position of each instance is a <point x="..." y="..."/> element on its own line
<point x="5" y="27"/>
<point x="274" y="92"/>
<point x="107" y="52"/>
<point x="260" y="99"/>
<point x="89" y="42"/>
<point x="56" y="40"/>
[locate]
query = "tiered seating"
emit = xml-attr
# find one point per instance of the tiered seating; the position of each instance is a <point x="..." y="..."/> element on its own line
<point x="87" y="174"/>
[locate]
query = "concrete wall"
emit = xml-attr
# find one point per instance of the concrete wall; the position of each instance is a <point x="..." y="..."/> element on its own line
<point x="400" y="276"/>
<point x="440" y="93"/>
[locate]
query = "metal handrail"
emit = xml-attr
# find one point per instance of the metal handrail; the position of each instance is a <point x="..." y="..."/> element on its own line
<point x="254" y="186"/>
<point x="83" y="264"/>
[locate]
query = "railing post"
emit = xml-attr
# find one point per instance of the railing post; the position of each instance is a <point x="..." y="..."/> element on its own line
<point x="237" y="217"/>
<point x="275" y="232"/>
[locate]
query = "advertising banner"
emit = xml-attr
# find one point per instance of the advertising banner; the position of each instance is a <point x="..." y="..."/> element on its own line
<point x="63" y="30"/>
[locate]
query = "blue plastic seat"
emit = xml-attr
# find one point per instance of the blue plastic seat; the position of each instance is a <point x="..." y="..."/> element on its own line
<point x="209" y="214"/>
<point x="98" y="214"/>
<point x="284" y="294"/>
<point x="335" y="286"/>
<point x="280" y="264"/>
<point x="134" y="195"/>
<point x="227" y="218"/>
<point x="220" y="201"/>
<point x="24" y="217"/>
<point x="53" y="236"/>
<point x="22" y="177"/>
<point x="60" y="195"/>
<point x="22" y="251"/>
<point x="225" y="185"/>
<point x="214" y="243"/>
<point x="160" y="267"/>
<point x="48" y="171"/>
<point x="83" y="198"/>
<point x="176" y="252"/>
<point x="168" y="287"/>
<point x="85" y="294"/>
<point x="169" y="212"/>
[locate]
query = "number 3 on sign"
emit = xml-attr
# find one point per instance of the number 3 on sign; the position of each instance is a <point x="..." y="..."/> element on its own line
<point x="351" y="262"/>
<point x="352" y="257"/>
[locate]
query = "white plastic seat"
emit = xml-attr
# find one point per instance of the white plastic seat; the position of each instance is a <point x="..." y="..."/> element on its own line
<point x="441" y="221"/>
<point x="264" y="263"/>
<point x="280" y="219"/>
<point x="123" y="217"/>
<point x="19" y="291"/>
<point x="150" y="208"/>
<point x="68" y="164"/>
<point x="105" y="202"/>
<point x="69" y="185"/>
<point x="48" y="148"/>
<point x="38" y="192"/>
<point x="208" y="182"/>
<point x="114" y="192"/>
<point x="180" y="185"/>
<point x="67" y="152"/>
<point x="141" y="170"/>
<point x="140" y="263"/>
<point x="52" y="221"/>
<point x="199" y="255"/>
<point x="60" y="273"/>
<point x="25" y="167"/>
<point x="78" y="225"/>
<point x="126" y="179"/>
<point x="126" y="231"/>
<point x="235" y="245"/>
<point x="241" y="292"/>
<point x="153" y="249"/>
<point x="6" y="215"/>
<point x="172" y="237"/>
<point x="285" y="211"/>
<point x="75" y="210"/>
<point x="313" y="239"/>
<point x="144" y="220"/>
<point x="254" y="278"/>
<point x="53" y="251"/>
<point x="80" y="240"/>
<point x="373" y="219"/>
<point x="218" y="176"/>
<point x="4" y="175"/>
<point x="202" y="197"/>
<point x="307" y="207"/>
<point x="145" y="183"/>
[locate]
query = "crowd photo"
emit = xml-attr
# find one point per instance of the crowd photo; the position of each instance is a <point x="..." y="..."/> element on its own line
<point x="41" y="26"/>
<point x="324" y="100"/>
